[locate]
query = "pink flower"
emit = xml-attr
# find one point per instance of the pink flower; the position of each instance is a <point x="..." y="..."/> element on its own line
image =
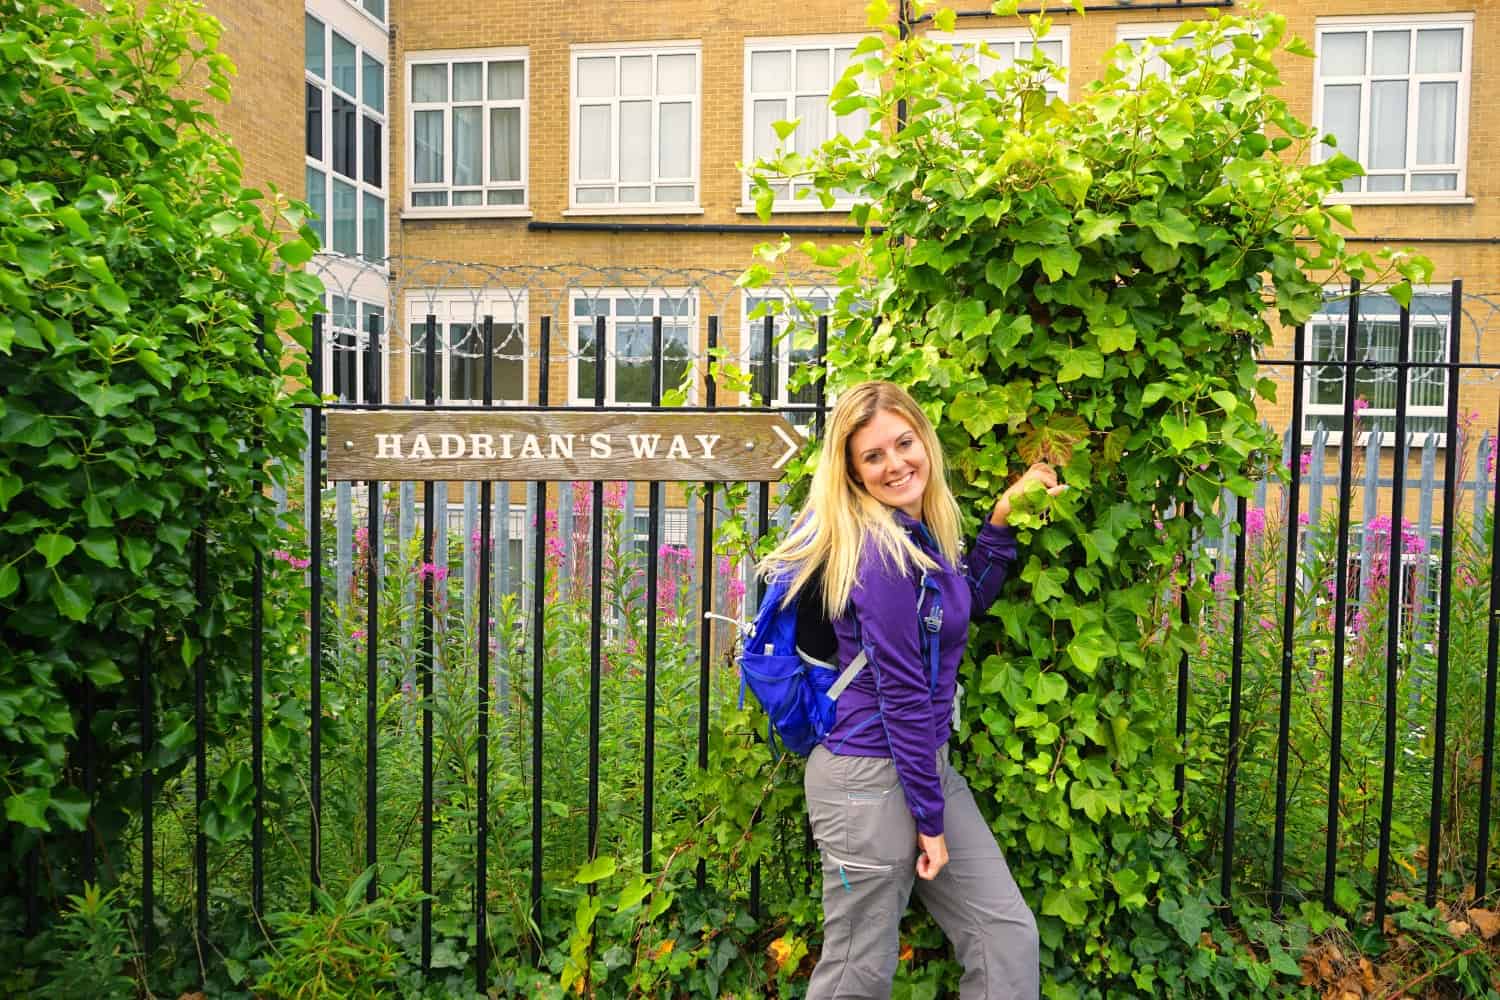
<point x="1304" y="518"/>
<point x="358" y="635"/>
<point x="1267" y="625"/>
<point x="1306" y="462"/>
<point x="1255" y="522"/>
<point x="614" y="495"/>
<point x="293" y="561"/>
<point x="1360" y="405"/>
<point x="1489" y="460"/>
<point x="1221" y="582"/>
<point x="1380" y="524"/>
<point x="437" y="573"/>
<point x="1357" y="621"/>
<point x="1412" y="543"/>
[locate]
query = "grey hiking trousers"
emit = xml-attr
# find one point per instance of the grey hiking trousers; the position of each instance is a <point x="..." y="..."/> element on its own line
<point x="868" y="842"/>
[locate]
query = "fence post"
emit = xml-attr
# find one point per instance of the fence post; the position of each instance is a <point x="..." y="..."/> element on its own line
<point x="471" y="549"/>
<point x="1368" y="508"/>
<point x="343" y="514"/>
<point x="1427" y="485"/>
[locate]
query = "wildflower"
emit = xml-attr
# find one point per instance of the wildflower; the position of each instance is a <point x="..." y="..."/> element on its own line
<point x="735" y="590"/>
<point x="358" y="635"/>
<point x="614" y="495"/>
<point x="1360" y="405"/>
<point x="1357" y="621"/>
<point x="1255" y="522"/>
<point x="1267" y="625"/>
<point x="1489" y="462"/>
<point x="1412" y="543"/>
<point x="1221" y="582"/>
<point x="1380" y="524"/>
<point x="1306" y="462"/>
<point x="1304" y="519"/>
<point x="437" y="573"/>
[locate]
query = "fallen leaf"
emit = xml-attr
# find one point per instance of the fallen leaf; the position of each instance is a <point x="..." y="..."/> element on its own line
<point x="1488" y="922"/>
<point x="1458" y="928"/>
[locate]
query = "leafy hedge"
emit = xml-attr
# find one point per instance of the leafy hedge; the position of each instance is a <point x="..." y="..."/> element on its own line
<point x="1088" y="283"/>
<point x="143" y="323"/>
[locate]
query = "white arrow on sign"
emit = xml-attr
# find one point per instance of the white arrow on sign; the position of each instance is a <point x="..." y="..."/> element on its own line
<point x="792" y="446"/>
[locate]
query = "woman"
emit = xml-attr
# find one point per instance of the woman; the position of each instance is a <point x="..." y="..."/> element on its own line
<point x="880" y="536"/>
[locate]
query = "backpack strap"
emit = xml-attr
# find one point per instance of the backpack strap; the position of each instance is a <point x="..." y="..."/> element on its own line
<point x="931" y="624"/>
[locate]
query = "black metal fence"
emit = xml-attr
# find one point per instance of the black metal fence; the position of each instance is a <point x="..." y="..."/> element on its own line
<point x="393" y="682"/>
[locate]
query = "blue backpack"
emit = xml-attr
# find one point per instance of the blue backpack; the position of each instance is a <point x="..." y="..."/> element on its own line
<point x="787" y="662"/>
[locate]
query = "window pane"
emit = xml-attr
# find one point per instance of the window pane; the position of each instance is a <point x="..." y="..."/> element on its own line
<point x="317" y="202"/>
<point x="345" y="219"/>
<point x="511" y="196"/>
<point x="594" y="196"/>
<point x="344" y="137"/>
<point x="635" y="141"/>
<point x="675" y="155"/>
<point x="468" y="151"/>
<point x="509" y="363"/>
<point x="635" y="194"/>
<point x="1341" y="117"/>
<point x="374" y="95"/>
<point x="812" y="130"/>
<point x="676" y="75"/>
<point x="1343" y="53"/>
<point x="468" y="198"/>
<point x="1391" y="52"/>
<point x="812" y="70"/>
<point x="1437" y="122"/>
<point x="373" y="151"/>
<point x="468" y="81"/>
<point x="764" y="141"/>
<point x="635" y="76"/>
<point x="418" y="367"/>
<point x="1440" y="50"/>
<point x="507" y="81"/>
<point x="505" y="144"/>
<point x="593" y="143"/>
<point x="427" y="143"/>
<point x="429" y="199"/>
<point x="374" y="219"/>
<point x="429" y="83"/>
<point x="465" y="361"/>
<point x="376" y="7"/>
<point x="344" y="75"/>
<point x="1388" y="109"/>
<point x="1386" y="182"/>
<point x="1434" y="182"/>
<point x="770" y="71"/>
<point x="596" y="77"/>
<point x="312" y="42"/>
<point x="674" y="192"/>
<point x="584" y="387"/>
<point x="314" y="119"/>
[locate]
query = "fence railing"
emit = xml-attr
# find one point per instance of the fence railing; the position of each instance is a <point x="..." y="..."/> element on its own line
<point x="498" y="688"/>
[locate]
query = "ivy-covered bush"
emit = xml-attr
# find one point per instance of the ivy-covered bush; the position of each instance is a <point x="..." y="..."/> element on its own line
<point x="144" y="318"/>
<point x="1087" y="283"/>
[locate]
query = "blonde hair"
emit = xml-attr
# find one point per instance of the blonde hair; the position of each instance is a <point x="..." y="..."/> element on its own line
<point x="841" y="516"/>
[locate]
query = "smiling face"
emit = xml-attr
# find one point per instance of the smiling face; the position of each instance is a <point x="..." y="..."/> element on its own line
<point x="886" y="456"/>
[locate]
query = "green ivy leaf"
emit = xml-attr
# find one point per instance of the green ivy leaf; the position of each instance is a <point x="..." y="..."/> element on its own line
<point x="54" y="547"/>
<point x="10" y="579"/>
<point x="597" y="870"/>
<point x="73" y="601"/>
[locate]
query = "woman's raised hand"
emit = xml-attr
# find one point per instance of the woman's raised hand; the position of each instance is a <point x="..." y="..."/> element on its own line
<point x="1040" y="472"/>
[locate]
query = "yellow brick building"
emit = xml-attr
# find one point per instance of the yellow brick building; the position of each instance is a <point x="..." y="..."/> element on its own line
<point x="467" y="152"/>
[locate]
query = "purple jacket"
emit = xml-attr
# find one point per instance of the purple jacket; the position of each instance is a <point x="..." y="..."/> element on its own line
<point x="912" y="723"/>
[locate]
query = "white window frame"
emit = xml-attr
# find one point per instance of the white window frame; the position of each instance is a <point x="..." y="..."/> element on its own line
<point x="1412" y="22"/>
<point x="654" y="294"/>
<point x="1387" y="438"/>
<point x="794" y="44"/>
<point x="332" y="329"/>
<point x="781" y="383"/>
<point x="465" y="305"/>
<point x="447" y="57"/>
<point x="575" y="105"/>
<point x="369" y="38"/>
<point x="364" y="11"/>
<point x="1014" y="38"/>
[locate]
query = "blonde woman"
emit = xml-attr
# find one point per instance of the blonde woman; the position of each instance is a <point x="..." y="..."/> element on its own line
<point x="879" y="542"/>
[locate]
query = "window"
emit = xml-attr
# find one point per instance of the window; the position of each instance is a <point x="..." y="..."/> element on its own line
<point x="792" y="79"/>
<point x="1394" y="93"/>
<point x="627" y="342"/>
<point x="793" y="346"/>
<point x="1377" y="341"/>
<point x="346" y="348"/>
<point x="635" y="128"/>
<point x="344" y="136"/>
<point x="994" y="51"/>
<point x="467" y="133"/>
<point x="459" y="324"/>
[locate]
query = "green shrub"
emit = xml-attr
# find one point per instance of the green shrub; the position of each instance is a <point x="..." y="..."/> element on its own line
<point x="143" y="411"/>
<point x="1087" y="283"/>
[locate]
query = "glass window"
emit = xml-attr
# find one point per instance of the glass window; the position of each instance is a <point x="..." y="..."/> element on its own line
<point x="374" y="226"/>
<point x="460" y="357"/>
<point x="1392" y="94"/>
<point x="1378" y="340"/>
<point x="376" y="8"/>
<point x="374" y="83"/>
<point x="468" y="126"/>
<point x="344" y="63"/>
<point x="345" y="220"/>
<point x="628" y="322"/>
<point x="317" y="202"/>
<point x="635" y="117"/>
<point x="313" y="42"/>
<point x="345" y="142"/>
<point x="314" y="144"/>
<point x="793" y="346"/>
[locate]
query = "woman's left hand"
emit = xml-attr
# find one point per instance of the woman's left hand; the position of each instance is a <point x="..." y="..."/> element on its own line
<point x="1039" y="472"/>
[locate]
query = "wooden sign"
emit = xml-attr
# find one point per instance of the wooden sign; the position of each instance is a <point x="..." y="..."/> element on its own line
<point x="396" y="445"/>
